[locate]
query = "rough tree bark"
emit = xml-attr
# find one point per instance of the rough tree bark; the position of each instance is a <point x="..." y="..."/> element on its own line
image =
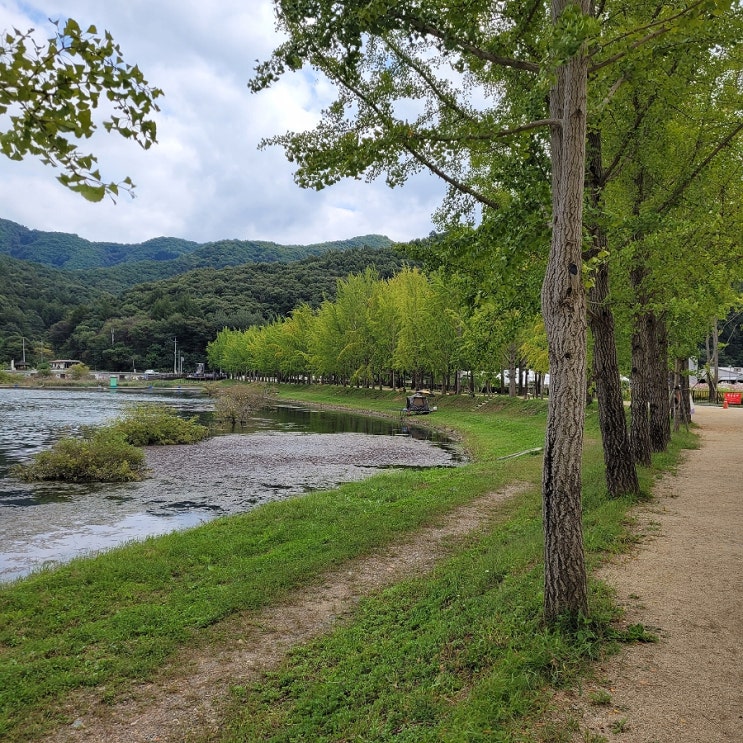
<point x="659" y="392"/>
<point x="564" y="310"/>
<point x="686" y="404"/>
<point x="621" y="474"/>
<point x="640" y="422"/>
<point x="680" y="401"/>
<point x="650" y="405"/>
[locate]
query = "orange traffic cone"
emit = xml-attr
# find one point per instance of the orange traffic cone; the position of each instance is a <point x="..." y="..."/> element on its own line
<point x="724" y="403"/>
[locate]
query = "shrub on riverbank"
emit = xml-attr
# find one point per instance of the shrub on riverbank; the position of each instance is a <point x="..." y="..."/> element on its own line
<point x="155" y="425"/>
<point x="111" y="453"/>
<point x="103" y="455"/>
<point x="236" y="403"/>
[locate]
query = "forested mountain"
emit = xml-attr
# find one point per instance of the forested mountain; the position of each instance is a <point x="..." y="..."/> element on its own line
<point x="220" y="254"/>
<point x="63" y="250"/>
<point x="155" y="259"/>
<point x="137" y="328"/>
<point x="33" y="298"/>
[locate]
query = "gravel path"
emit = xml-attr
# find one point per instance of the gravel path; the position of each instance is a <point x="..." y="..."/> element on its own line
<point x="685" y="583"/>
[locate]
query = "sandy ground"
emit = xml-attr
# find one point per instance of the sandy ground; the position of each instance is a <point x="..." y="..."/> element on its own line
<point x="683" y="582"/>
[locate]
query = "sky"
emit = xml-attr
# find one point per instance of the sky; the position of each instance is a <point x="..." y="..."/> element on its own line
<point x="206" y="179"/>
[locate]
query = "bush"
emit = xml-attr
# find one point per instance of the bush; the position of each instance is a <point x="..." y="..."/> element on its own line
<point x="102" y="456"/>
<point x="147" y="425"/>
<point x="111" y="453"/>
<point x="237" y="403"/>
<point x="79" y="371"/>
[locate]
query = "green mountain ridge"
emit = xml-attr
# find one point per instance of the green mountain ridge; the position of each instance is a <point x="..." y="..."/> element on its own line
<point x="161" y="257"/>
<point x="218" y="255"/>
<point x="33" y="297"/>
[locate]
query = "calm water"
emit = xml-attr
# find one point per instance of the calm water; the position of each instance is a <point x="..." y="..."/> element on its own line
<point x="282" y="452"/>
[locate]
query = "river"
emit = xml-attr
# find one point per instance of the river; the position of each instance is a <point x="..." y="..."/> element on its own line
<point x="282" y="452"/>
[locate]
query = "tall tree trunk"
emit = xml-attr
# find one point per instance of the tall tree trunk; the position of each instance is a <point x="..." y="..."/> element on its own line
<point x="640" y="375"/>
<point x="682" y="367"/>
<point x="680" y="407"/>
<point x="713" y="362"/>
<point x="512" y="381"/>
<point x="564" y="310"/>
<point x="640" y="423"/>
<point x="658" y="392"/>
<point x="621" y="475"/>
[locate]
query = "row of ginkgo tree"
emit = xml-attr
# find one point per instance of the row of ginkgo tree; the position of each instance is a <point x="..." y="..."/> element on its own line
<point x="412" y="329"/>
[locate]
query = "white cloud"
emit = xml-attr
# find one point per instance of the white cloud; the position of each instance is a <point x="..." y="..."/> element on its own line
<point x="206" y="179"/>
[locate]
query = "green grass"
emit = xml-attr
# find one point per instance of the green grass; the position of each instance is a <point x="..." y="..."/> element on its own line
<point x="460" y="655"/>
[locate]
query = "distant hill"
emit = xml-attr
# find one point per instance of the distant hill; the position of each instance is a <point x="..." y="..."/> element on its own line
<point x="114" y="305"/>
<point x="70" y="314"/>
<point x="159" y="258"/>
<point x="64" y="250"/>
<point x="33" y="297"/>
<point x="220" y="254"/>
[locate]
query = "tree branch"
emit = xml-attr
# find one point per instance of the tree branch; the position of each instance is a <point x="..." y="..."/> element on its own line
<point x="458" y="185"/>
<point x="426" y="29"/>
<point x="430" y="81"/>
<point x="649" y="37"/>
<point x="552" y="123"/>
<point x="494" y="135"/>
<point x="677" y="192"/>
<point x="413" y="152"/>
<point x="628" y="138"/>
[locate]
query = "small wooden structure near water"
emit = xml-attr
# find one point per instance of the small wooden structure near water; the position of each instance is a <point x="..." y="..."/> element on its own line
<point x="417" y="404"/>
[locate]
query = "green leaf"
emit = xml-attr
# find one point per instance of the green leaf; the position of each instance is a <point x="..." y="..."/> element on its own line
<point x="91" y="193"/>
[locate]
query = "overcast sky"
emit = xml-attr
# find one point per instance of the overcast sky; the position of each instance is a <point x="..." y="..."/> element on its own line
<point x="205" y="179"/>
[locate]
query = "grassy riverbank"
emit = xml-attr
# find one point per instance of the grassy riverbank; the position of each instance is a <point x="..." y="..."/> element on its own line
<point x="459" y="655"/>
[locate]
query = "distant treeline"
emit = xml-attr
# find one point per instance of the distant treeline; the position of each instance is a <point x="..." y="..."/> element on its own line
<point x="58" y="314"/>
<point x="411" y="329"/>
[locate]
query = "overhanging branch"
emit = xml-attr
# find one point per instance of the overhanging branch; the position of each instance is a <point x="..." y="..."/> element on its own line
<point x="409" y="147"/>
<point x="683" y="185"/>
<point x="426" y="29"/>
<point x="664" y="29"/>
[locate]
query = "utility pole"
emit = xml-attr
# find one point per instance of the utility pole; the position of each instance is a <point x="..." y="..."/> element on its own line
<point x="175" y="356"/>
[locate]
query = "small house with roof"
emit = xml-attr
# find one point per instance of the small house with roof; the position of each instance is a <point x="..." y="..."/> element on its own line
<point x="61" y="365"/>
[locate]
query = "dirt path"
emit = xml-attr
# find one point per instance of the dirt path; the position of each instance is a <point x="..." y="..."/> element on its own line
<point x="684" y="582"/>
<point x="189" y="695"/>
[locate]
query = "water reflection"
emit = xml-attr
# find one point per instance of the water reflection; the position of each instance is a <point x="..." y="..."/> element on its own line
<point x="280" y="453"/>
